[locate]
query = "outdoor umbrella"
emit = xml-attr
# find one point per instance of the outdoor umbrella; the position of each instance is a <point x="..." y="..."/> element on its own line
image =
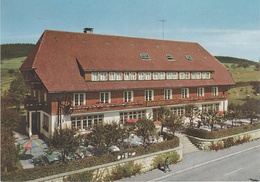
<point x="29" y="144"/>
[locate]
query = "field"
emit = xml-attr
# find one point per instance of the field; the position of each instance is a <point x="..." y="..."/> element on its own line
<point x="237" y="95"/>
<point x="6" y="65"/>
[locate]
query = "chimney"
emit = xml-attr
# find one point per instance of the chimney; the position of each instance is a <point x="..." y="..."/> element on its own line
<point x="88" y="30"/>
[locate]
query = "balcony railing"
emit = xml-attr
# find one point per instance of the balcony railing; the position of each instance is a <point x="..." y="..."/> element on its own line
<point x="106" y="105"/>
<point x="136" y="104"/>
<point x="32" y="104"/>
<point x="191" y="100"/>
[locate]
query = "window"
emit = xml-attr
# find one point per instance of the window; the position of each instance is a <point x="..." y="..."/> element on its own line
<point x="171" y="75"/>
<point x="45" y="97"/>
<point x="184" y="93"/>
<point x="169" y="57"/>
<point x="144" y="56"/>
<point x="105" y="97"/>
<point x="133" y="76"/>
<point x="167" y="94"/>
<point x="208" y="107"/>
<point x="79" y="99"/>
<point x="156" y="75"/>
<point x="94" y="76"/>
<point x="141" y="76"/>
<point x="206" y="75"/>
<point x="214" y="91"/>
<point x="184" y="75"/>
<point x="200" y="92"/>
<point x="128" y="96"/>
<point x="188" y="57"/>
<point x="148" y="95"/>
<point x="45" y="122"/>
<point x="86" y="121"/>
<point x="178" y="110"/>
<point x="125" y="116"/>
<point x="162" y="76"/>
<point x="118" y="75"/>
<point x="148" y="76"/>
<point x="112" y="76"/>
<point x="127" y="76"/>
<point x="174" y="75"/>
<point x="39" y="96"/>
<point x="196" y="75"/>
<point x="103" y="76"/>
<point x="187" y="75"/>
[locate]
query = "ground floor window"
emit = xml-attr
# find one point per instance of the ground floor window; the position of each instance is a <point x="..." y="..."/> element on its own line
<point x="207" y="107"/>
<point x="86" y="122"/>
<point x="178" y="110"/>
<point x="125" y="116"/>
<point x="46" y="122"/>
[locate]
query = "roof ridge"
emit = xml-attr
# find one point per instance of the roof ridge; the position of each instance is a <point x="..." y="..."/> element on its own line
<point x="122" y="36"/>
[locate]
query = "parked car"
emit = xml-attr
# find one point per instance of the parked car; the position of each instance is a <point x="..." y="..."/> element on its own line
<point x="113" y="148"/>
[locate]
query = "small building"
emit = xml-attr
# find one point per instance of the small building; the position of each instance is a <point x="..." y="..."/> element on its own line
<point x="78" y="80"/>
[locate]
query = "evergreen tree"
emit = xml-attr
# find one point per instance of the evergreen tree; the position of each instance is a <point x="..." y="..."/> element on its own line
<point x="9" y="151"/>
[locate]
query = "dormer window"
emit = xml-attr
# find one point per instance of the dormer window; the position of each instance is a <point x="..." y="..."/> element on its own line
<point x="169" y="57"/>
<point x="144" y="56"/>
<point x="188" y="57"/>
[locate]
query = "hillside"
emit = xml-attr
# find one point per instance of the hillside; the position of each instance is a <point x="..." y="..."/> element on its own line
<point x="233" y="60"/>
<point x="9" y="51"/>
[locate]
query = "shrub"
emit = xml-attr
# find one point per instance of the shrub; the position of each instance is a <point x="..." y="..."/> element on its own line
<point x="158" y="161"/>
<point x="43" y="171"/>
<point x="222" y="133"/>
<point x="228" y="142"/>
<point x="123" y="171"/>
<point x="85" y="176"/>
<point x="216" y="146"/>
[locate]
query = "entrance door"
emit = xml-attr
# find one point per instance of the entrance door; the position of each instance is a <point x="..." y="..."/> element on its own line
<point x="36" y="123"/>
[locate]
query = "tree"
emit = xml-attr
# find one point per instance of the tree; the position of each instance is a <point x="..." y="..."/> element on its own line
<point x="145" y="128"/>
<point x="251" y="109"/>
<point x="163" y="114"/>
<point x="9" y="151"/>
<point x="211" y="118"/>
<point x="18" y="90"/>
<point x="231" y="115"/>
<point x="103" y="136"/>
<point x="191" y="112"/>
<point x="174" y="122"/>
<point x="65" y="141"/>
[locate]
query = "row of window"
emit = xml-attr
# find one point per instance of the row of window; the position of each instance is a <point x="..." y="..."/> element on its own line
<point x="84" y="122"/>
<point x="118" y="76"/>
<point x="88" y="121"/>
<point x="128" y="96"/>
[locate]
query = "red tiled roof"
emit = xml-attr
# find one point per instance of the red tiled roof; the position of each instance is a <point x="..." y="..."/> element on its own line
<point x="55" y="57"/>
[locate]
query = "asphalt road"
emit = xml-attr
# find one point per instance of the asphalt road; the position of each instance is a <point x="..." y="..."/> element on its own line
<point x="238" y="163"/>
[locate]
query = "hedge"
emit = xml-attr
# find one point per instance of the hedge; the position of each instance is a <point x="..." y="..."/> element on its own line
<point x="43" y="171"/>
<point x="200" y="133"/>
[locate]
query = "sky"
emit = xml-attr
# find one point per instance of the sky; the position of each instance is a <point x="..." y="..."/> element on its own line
<point x="222" y="27"/>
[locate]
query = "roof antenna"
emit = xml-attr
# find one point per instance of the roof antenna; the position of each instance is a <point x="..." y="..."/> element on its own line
<point x="163" y="27"/>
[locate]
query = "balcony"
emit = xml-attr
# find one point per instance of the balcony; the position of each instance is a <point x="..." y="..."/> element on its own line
<point x="106" y="106"/>
<point x="138" y="104"/>
<point x="192" y="100"/>
<point x="32" y="104"/>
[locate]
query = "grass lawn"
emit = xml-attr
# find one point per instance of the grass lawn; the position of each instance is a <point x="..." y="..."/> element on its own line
<point x="244" y="75"/>
<point x="6" y="65"/>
